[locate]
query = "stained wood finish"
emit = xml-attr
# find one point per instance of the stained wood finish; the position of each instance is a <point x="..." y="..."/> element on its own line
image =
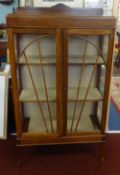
<point x="18" y="117"/>
<point x="27" y="141"/>
<point x="20" y="84"/>
<point x="65" y="79"/>
<point x="107" y="82"/>
<point x="83" y="22"/>
<point x="73" y="18"/>
<point x="62" y="22"/>
<point x="90" y="32"/>
<point x="3" y="48"/>
<point x="59" y="70"/>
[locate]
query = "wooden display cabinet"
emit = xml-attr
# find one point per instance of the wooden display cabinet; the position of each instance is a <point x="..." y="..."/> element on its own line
<point x="3" y="41"/>
<point x="61" y="62"/>
<point x="6" y="2"/>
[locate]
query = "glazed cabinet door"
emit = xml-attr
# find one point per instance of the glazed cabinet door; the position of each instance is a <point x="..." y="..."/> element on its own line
<point x="87" y="62"/>
<point x="35" y="57"/>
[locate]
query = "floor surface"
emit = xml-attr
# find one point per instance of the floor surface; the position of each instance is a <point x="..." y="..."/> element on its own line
<point x="77" y="159"/>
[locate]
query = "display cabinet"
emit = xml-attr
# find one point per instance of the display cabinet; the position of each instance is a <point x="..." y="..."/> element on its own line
<point x="6" y="2"/>
<point x="61" y="62"/>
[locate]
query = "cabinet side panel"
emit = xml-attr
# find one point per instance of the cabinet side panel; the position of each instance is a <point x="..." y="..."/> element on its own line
<point x="11" y="46"/>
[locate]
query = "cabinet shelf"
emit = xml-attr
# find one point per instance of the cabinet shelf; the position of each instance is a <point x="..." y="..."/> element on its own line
<point x="28" y="94"/>
<point x="50" y="59"/>
<point x="89" y="59"/>
<point x="36" y="125"/>
<point x="34" y="59"/>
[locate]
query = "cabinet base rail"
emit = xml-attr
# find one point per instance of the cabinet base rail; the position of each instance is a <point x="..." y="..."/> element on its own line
<point x="52" y="140"/>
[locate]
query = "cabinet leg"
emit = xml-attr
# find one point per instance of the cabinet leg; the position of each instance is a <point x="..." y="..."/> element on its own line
<point x="101" y="151"/>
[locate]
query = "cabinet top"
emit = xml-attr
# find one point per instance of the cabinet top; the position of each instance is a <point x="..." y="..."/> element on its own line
<point x="60" y="16"/>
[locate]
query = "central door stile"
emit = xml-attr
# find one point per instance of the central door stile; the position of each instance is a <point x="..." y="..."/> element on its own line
<point x="59" y="70"/>
<point x="65" y="79"/>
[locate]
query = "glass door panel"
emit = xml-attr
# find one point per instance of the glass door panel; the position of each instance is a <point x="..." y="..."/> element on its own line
<point x="87" y="60"/>
<point x="36" y="70"/>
